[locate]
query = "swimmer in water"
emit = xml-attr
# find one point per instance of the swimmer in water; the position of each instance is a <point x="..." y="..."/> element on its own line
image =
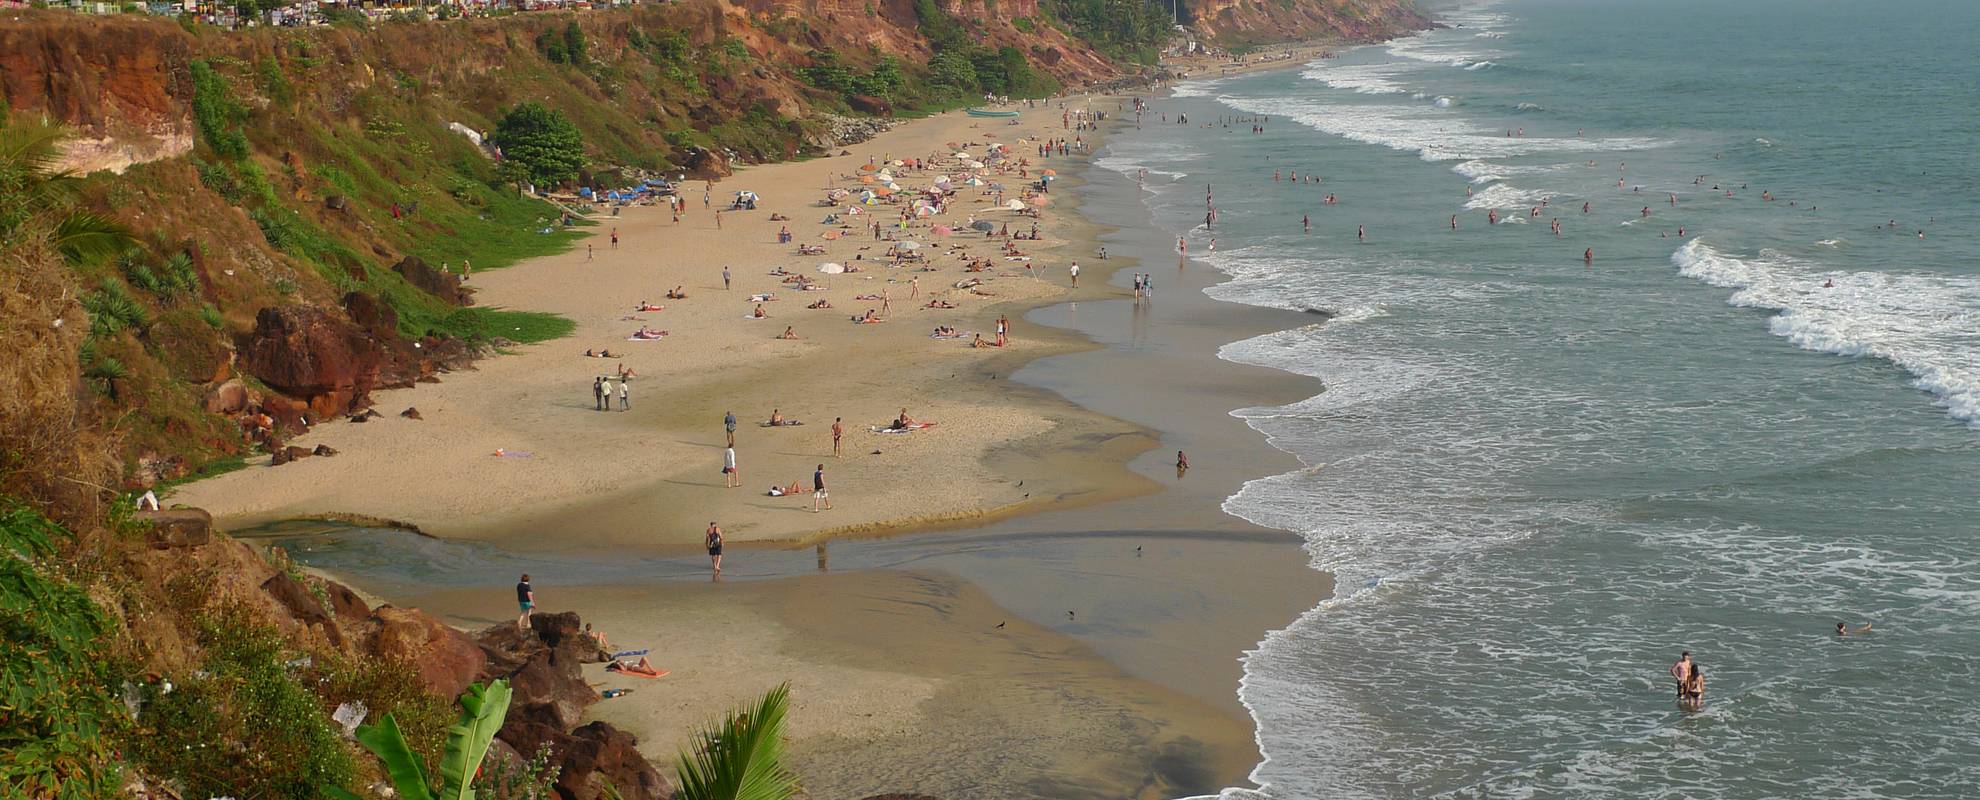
<point x="1453" y="222"/>
<point x="1360" y="233"/>
<point x="1588" y="256"/>
<point x="1305" y="223"/>
<point x="1584" y="208"/>
<point x="1829" y="283"/>
<point x="1843" y="630"/>
<point x="1491" y="217"/>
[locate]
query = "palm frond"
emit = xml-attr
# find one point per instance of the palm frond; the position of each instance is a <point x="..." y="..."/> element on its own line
<point x="84" y="237"/>
<point x="30" y="148"/>
<point x="741" y="757"/>
<point x="385" y="741"/>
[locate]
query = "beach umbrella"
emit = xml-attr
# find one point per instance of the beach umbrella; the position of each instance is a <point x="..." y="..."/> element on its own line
<point x="829" y="235"/>
<point x="925" y="211"/>
<point x="973" y="164"/>
<point x="898" y="163"/>
<point x="908" y="245"/>
<point x="882" y="191"/>
<point x="983" y="225"/>
<point x="867" y="179"/>
<point x="942" y="230"/>
<point x="1050" y="172"/>
<point x="974" y="181"/>
<point x="1014" y="205"/>
<point x="963" y="154"/>
<point x="884" y="176"/>
<point x="831" y="268"/>
<point x="868" y="168"/>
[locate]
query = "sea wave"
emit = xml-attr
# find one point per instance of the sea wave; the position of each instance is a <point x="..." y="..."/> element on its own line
<point x="1927" y="324"/>
<point x="1432" y="135"/>
<point x="1358" y="78"/>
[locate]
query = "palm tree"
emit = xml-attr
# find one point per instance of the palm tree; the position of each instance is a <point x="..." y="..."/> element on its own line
<point x="741" y="757"/>
<point x="31" y="186"/>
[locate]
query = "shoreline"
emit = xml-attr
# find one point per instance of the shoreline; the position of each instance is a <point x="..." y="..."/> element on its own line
<point x="1131" y="668"/>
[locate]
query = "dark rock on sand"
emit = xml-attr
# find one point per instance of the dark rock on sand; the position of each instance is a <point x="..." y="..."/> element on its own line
<point x="543" y="667"/>
<point x="411" y="413"/>
<point x="599" y="755"/>
<point x="324" y="450"/>
<point x="288" y="454"/>
<point x="371" y="314"/>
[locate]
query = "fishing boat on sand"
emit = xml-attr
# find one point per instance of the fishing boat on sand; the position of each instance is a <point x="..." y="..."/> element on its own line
<point x="985" y="112"/>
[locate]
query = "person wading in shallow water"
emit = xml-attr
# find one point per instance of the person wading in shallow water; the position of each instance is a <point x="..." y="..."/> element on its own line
<point x="713" y="540"/>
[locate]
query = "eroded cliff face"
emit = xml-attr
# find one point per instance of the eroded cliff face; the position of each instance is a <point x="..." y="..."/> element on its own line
<point x="1262" y="21"/>
<point x="115" y="80"/>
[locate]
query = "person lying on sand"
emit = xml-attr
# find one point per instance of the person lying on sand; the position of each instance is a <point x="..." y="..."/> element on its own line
<point x="645" y="333"/>
<point x="781" y="491"/>
<point x="822" y="303"/>
<point x="789" y="334"/>
<point x="646" y="306"/>
<point x="868" y="318"/>
<point x="774" y="217"/>
<point x="945" y="332"/>
<point x="763" y="297"/>
<point x="676" y="294"/>
<point x="640" y="667"/>
<point x="811" y="249"/>
<point x="939" y="304"/>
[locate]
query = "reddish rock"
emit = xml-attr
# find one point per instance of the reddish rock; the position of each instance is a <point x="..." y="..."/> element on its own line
<point x="302" y="604"/>
<point x="411" y="413"/>
<point x="287" y="454"/>
<point x="178" y="527"/>
<point x="597" y="756"/>
<point x="346" y="604"/>
<point x="444" y="285"/>
<point x="870" y="105"/>
<point x="324" y="450"/>
<point x="446" y="658"/>
<point x="313" y="354"/>
<point x="371" y="314"/>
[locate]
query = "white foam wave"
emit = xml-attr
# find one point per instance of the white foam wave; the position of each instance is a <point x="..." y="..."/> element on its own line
<point x="1358" y="78"/>
<point x="1481" y="171"/>
<point x="1433" y="135"/>
<point x="1436" y="51"/>
<point x="1507" y="196"/>
<point x="1927" y="324"/>
<point x="1197" y="88"/>
<point x="1478" y="65"/>
<point x="1444" y="101"/>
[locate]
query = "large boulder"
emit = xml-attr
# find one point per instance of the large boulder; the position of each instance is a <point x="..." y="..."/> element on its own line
<point x="231" y="397"/>
<point x="372" y="314"/>
<point x="446" y="658"/>
<point x="598" y="756"/>
<point x="444" y="285"/>
<point x="313" y="354"/>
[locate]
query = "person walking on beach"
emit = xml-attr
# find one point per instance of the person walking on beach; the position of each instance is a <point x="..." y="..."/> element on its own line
<point x="729" y="424"/>
<point x="725" y="278"/>
<point x="732" y="477"/>
<point x="615" y="238"/>
<point x="838" y="430"/>
<point x="526" y="599"/>
<point x="1003" y="330"/>
<point x="587" y="252"/>
<point x="818" y="493"/>
<point x="598" y="392"/>
<point x="713" y="541"/>
<point x="625" y="394"/>
<point x="1074" y="272"/>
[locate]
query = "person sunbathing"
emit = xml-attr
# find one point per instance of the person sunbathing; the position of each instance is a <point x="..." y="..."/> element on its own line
<point x="774" y="217"/>
<point x="868" y="318"/>
<point x="640" y="667"/>
<point x="822" y="303"/>
<point x="782" y="491"/>
<point x="776" y="418"/>
<point x="627" y="372"/>
<point x="759" y="313"/>
<point x="867" y="297"/>
<point x="903" y="422"/>
<point x="811" y="249"/>
<point x="944" y="332"/>
<point x="646" y="306"/>
<point x="589" y="354"/>
<point x="676" y="294"/>
<point x="597" y="636"/>
<point x="979" y="342"/>
<point x="939" y="304"/>
<point x="606" y="354"/>
<point x="788" y="333"/>
<point x="644" y="333"/>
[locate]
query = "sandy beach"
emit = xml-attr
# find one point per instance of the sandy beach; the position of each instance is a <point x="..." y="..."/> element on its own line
<point x="1087" y="651"/>
<point x="649" y="477"/>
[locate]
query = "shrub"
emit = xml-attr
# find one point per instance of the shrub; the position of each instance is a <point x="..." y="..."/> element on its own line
<point x="543" y="140"/>
<point x="215" y="112"/>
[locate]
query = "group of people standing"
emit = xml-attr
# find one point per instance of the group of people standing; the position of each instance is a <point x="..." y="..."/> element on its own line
<point x="601" y="391"/>
<point x="1690" y="682"/>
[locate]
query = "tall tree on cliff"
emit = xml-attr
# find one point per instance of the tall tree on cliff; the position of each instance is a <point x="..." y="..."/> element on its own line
<point x="542" y="140"/>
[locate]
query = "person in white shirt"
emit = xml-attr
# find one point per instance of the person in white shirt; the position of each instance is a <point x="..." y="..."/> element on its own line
<point x="1075" y="274"/>
<point x="729" y="468"/>
<point x="625" y="395"/>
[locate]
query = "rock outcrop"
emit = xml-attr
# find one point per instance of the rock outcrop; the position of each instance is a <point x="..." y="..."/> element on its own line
<point x="544" y="668"/>
<point x="315" y="355"/>
<point x="429" y="279"/>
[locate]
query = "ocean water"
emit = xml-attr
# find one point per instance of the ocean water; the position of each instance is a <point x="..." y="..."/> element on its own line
<point x="1539" y="479"/>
